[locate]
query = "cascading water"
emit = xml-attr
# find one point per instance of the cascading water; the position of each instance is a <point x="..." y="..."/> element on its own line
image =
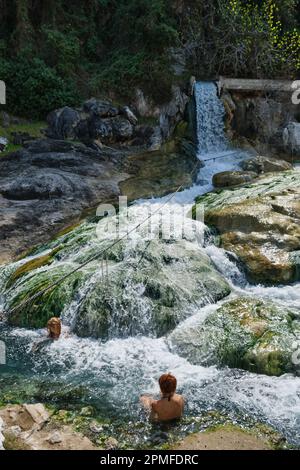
<point x="115" y="371"/>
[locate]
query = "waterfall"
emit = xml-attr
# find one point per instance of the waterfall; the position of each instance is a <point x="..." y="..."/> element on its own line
<point x="210" y="119"/>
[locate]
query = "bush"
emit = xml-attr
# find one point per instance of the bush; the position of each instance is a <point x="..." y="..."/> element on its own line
<point x="33" y="88"/>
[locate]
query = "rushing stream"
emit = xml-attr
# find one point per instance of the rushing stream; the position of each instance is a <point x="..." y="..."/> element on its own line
<point x="111" y="374"/>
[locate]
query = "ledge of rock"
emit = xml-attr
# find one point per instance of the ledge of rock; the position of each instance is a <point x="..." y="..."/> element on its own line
<point x="262" y="164"/>
<point x="51" y="184"/>
<point x="259" y="222"/>
<point x="246" y="333"/>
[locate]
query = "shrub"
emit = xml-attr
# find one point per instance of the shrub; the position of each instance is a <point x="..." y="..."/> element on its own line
<point x="33" y="88"/>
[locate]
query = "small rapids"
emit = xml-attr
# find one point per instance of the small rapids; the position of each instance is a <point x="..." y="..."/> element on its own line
<point x="113" y="373"/>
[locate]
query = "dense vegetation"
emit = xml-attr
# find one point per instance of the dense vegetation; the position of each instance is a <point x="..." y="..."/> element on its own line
<point x="54" y="52"/>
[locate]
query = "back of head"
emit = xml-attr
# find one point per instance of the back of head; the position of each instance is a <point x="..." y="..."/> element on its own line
<point x="54" y="327"/>
<point x="168" y="384"/>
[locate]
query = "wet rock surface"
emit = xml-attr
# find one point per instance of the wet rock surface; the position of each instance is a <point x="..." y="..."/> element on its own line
<point x="259" y="222"/>
<point x="247" y="333"/>
<point x="50" y="184"/>
<point x="261" y="164"/>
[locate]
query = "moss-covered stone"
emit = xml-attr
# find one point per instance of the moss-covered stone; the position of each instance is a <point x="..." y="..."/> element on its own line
<point x="260" y="222"/>
<point x="247" y="333"/>
<point x="150" y="287"/>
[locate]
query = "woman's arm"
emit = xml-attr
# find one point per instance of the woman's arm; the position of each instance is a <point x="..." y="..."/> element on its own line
<point x="147" y="402"/>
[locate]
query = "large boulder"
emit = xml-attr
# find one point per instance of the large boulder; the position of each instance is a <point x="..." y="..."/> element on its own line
<point x="100" y="108"/>
<point x="41" y="186"/>
<point x="259" y="222"/>
<point x="141" y="285"/>
<point x="96" y="120"/>
<point x="232" y="178"/>
<point x="262" y="164"/>
<point x="247" y="333"/>
<point x="63" y="122"/>
<point x="291" y="138"/>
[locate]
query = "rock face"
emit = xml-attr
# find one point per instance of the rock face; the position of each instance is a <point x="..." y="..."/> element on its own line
<point x="96" y="120"/>
<point x="141" y="286"/>
<point x="1" y="435"/>
<point x="226" y="438"/>
<point x="232" y="178"/>
<point x="49" y="184"/>
<point x="291" y="138"/>
<point x="262" y="164"/>
<point x="3" y="143"/>
<point x="247" y="333"/>
<point x="260" y="223"/>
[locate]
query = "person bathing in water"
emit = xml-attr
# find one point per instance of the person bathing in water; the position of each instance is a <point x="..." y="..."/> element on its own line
<point x="54" y="328"/>
<point x="170" y="406"/>
<point x="54" y="332"/>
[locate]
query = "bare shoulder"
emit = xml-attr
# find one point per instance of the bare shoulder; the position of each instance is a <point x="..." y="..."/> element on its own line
<point x="179" y="399"/>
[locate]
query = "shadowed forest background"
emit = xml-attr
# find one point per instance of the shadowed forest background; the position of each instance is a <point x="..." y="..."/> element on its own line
<point x="56" y="52"/>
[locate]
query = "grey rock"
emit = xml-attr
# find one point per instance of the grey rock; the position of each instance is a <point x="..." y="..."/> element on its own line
<point x="101" y="129"/>
<point x="5" y="119"/>
<point x="55" y="438"/>
<point x="111" y="443"/>
<point x="173" y="112"/>
<point x="62" y="123"/>
<point x="122" y="129"/>
<point x="156" y="139"/>
<point x="103" y="109"/>
<point x="48" y="184"/>
<point x="262" y="164"/>
<point x="130" y="115"/>
<point x="232" y="178"/>
<point x="3" y="143"/>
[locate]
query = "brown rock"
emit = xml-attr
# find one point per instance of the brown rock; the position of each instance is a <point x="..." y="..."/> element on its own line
<point x="261" y="164"/>
<point x="232" y="178"/>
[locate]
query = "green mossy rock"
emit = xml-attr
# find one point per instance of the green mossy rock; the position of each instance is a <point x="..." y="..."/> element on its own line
<point x="151" y="285"/>
<point x="246" y="333"/>
<point x="260" y="222"/>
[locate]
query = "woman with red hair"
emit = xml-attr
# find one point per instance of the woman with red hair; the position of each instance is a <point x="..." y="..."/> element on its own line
<point x="170" y="405"/>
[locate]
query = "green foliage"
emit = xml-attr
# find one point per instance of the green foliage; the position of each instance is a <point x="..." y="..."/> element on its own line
<point x="245" y="38"/>
<point x="33" y="88"/>
<point x="52" y="54"/>
<point x="32" y="128"/>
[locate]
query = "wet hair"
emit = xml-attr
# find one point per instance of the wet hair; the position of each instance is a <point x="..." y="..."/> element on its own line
<point x="54" y="327"/>
<point x="168" y="384"/>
